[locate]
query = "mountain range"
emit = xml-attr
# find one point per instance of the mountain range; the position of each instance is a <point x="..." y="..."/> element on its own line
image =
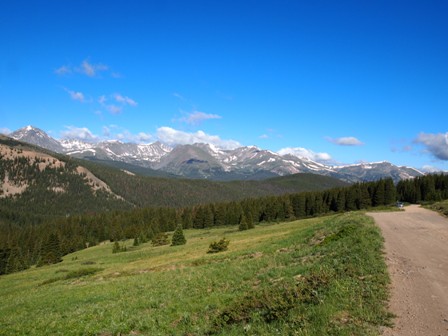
<point x="206" y="161"/>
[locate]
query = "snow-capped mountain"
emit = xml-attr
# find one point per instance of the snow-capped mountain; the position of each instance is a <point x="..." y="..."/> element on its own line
<point x="37" y="137"/>
<point x="207" y="161"/>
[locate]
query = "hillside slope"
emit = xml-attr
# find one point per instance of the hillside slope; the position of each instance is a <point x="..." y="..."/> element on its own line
<point x="37" y="182"/>
<point x="58" y="184"/>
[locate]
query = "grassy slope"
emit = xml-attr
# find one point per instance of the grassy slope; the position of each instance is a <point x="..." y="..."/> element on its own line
<point x="441" y="207"/>
<point x="323" y="276"/>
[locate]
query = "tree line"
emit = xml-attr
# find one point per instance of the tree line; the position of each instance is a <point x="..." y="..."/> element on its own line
<point x="41" y="241"/>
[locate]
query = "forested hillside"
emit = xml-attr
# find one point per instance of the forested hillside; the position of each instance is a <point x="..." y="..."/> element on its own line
<point x="37" y="183"/>
<point x="177" y="192"/>
<point x="48" y="183"/>
<point x="28" y="244"/>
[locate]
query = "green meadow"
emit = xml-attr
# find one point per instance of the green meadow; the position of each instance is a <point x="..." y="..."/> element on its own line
<point x="319" y="276"/>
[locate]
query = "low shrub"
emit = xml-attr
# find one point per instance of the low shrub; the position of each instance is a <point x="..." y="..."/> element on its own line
<point x="219" y="246"/>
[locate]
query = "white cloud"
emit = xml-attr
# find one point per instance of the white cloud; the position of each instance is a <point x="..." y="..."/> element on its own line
<point x="436" y="144"/>
<point x="114" y="109"/>
<point x="90" y="69"/>
<point x="127" y="136"/>
<point x="81" y="133"/>
<point x="5" y="131"/>
<point x="306" y="153"/>
<point x="118" y="133"/>
<point x="85" y="68"/>
<point x="178" y="96"/>
<point x="345" y="141"/>
<point x="142" y="136"/>
<point x="264" y="136"/>
<point x="197" y="117"/>
<point x="175" y="137"/>
<point x="63" y="70"/>
<point x="106" y="131"/>
<point x="124" y="100"/>
<point x="121" y="101"/>
<point x="76" y="95"/>
<point x="102" y="99"/>
<point x="430" y="169"/>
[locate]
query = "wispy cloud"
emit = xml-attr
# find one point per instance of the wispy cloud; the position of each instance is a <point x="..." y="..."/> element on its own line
<point x="81" y="133"/>
<point x="118" y="133"/>
<point x="264" y="136"/>
<point x="127" y="136"/>
<point x="120" y="103"/>
<point x="172" y="136"/>
<point x="5" y="131"/>
<point x="90" y="69"/>
<point x="345" y="141"/>
<point x="114" y="109"/>
<point x="124" y="100"/>
<point x="102" y="99"/>
<point x="63" y="70"/>
<point x="197" y="117"/>
<point x="436" y="144"/>
<point x="430" y="169"/>
<point x="178" y="96"/>
<point x="86" y="68"/>
<point x="305" y="153"/>
<point x="76" y="95"/>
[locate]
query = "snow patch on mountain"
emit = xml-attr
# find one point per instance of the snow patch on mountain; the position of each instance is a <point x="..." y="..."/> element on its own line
<point x="205" y="160"/>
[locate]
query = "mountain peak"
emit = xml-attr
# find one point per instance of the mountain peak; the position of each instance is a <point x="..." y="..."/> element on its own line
<point x="36" y="136"/>
<point x="205" y="160"/>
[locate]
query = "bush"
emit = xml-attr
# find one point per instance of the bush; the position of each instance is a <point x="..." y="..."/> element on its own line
<point x="160" y="239"/>
<point x="219" y="246"/>
<point x="117" y="248"/>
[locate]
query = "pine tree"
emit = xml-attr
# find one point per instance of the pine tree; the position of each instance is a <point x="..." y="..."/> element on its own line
<point x="136" y="241"/>
<point x="51" y="251"/>
<point x="243" y="223"/>
<point x="389" y="192"/>
<point x="250" y="220"/>
<point x="116" y="247"/>
<point x="178" y="237"/>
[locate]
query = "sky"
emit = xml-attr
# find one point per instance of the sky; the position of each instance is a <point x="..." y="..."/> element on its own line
<point x="340" y="82"/>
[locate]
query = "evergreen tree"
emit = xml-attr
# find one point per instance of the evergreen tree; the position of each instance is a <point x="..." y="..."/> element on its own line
<point x="389" y="192"/>
<point x="250" y="220"/>
<point x="243" y="223"/>
<point x="178" y="237"/>
<point x="16" y="262"/>
<point x="136" y="241"/>
<point x="51" y="251"/>
<point x="340" y="201"/>
<point x="378" y="195"/>
<point x="116" y="247"/>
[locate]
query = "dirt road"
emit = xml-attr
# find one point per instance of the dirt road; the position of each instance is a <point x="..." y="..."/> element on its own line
<point x="416" y="243"/>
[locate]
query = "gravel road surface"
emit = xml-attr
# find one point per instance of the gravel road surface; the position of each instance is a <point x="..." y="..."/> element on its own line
<point x="416" y="246"/>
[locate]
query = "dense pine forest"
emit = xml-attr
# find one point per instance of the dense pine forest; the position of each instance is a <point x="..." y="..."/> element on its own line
<point x="27" y="239"/>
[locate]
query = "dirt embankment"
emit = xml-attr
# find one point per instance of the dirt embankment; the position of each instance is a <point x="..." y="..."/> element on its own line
<point x="416" y="243"/>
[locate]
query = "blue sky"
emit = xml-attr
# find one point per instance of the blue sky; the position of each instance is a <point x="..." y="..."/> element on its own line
<point x="338" y="81"/>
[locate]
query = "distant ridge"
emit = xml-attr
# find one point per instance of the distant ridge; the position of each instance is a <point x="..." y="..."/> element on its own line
<point x="36" y="180"/>
<point x="205" y="161"/>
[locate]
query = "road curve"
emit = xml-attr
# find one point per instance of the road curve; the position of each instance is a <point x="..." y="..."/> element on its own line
<point x="416" y="246"/>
